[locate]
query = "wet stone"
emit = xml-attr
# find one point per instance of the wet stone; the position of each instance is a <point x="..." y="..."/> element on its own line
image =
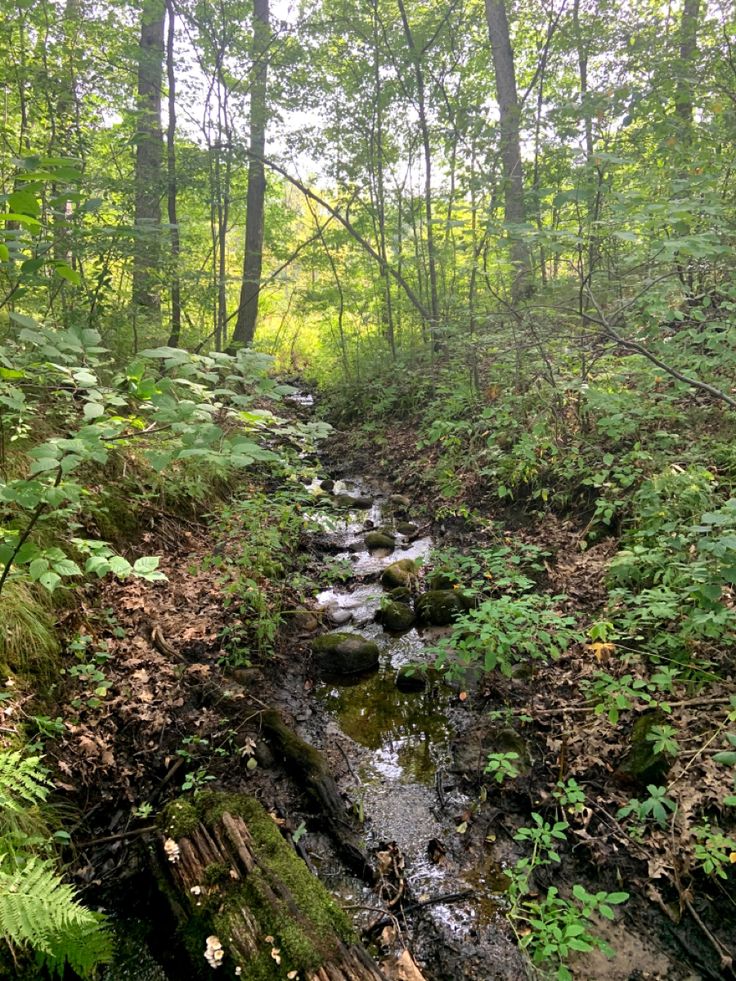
<point x="348" y="501"/>
<point x="399" y="501"/>
<point x="343" y="653"/>
<point x="399" y="573"/>
<point x="439" y="607"/>
<point x="379" y="539"/>
<point x="411" y="677"/>
<point x="395" y="616"/>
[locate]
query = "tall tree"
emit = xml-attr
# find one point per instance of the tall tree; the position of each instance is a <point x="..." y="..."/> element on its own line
<point x="510" y="125"/>
<point x="245" y="324"/>
<point x="421" y="106"/>
<point x="149" y="158"/>
<point x="171" y="183"/>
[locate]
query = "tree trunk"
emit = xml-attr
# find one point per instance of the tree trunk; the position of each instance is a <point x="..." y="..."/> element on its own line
<point x="509" y="121"/>
<point x="149" y="158"/>
<point x="427" y="150"/>
<point x="250" y="902"/>
<point x="175" y="330"/>
<point x="245" y="324"/>
<point x="688" y="50"/>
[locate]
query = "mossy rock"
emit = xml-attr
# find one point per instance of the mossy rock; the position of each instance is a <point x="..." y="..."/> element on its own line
<point x="116" y="517"/>
<point x="412" y="677"/>
<point x="399" y="501"/>
<point x="641" y="765"/>
<point x="343" y="653"/>
<point x="399" y="573"/>
<point x="406" y="528"/>
<point x="439" y="607"/>
<point x="327" y="485"/>
<point x="379" y="539"/>
<point x="348" y="501"/>
<point x="402" y="594"/>
<point x="396" y="616"/>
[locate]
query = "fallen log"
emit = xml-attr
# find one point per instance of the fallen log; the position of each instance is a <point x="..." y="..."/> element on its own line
<point x="247" y="903"/>
<point x="310" y="767"/>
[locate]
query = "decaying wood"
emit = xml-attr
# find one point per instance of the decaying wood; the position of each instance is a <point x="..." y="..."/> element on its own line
<point x="310" y="767"/>
<point x="228" y="844"/>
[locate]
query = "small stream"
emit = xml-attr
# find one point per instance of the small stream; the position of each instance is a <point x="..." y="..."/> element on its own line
<point x="399" y="743"/>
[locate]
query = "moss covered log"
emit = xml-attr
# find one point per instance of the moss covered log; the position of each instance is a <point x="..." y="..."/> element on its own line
<point x="310" y="767"/>
<point x="249" y="903"/>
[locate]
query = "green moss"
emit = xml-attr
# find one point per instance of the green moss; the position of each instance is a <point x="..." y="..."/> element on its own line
<point x="216" y="872"/>
<point x="180" y="818"/>
<point x="287" y="901"/>
<point x="116" y="516"/>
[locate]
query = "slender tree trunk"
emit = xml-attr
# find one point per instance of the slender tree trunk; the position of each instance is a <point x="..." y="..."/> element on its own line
<point x="380" y="185"/>
<point x="149" y="158"/>
<point x="245" y="324"/>
<point x="688" y="50"/>
<point x="427" y="149"/>
<point x="509" y="120"/>
<point x="171" y="181"/>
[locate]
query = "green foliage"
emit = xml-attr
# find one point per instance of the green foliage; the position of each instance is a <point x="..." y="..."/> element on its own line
<point x="713" y="851"/>
<point x="553" y="927"/>
<point x="507" y="567"/>
<point x="502" y="632"/>
<point x="502" y="766"/>
<point x="40" y="912"/>
<point x="259" y="538"/>
<point x="657" y="806"/>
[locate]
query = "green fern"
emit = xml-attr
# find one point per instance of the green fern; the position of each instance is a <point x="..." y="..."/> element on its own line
<point x="40" y="911"/>
<point x="23" y="781"/>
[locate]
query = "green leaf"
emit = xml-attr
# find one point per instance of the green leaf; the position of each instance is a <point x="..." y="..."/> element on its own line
<point x="25" y="203"/>
<point x="93" y="410"/>
<point x="50" y="581"/>
<point x="66" y="567"/>
<point x="146" y="564"/>
<point x="727" y="757"/>
<point x="66" y="272"/>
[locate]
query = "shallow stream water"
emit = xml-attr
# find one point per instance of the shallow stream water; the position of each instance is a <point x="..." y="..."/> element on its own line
<point x="400" y="742"/>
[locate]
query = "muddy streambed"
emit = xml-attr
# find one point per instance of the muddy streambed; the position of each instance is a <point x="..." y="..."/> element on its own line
<point x="397" y="747"/>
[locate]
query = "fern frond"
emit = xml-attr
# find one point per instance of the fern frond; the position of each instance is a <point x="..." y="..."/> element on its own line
<point x="23" y="781"/>
<point x="40" y="911"/>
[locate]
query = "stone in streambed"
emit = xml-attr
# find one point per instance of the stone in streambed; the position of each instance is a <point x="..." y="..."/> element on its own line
<point x="348" y="501"/>
<point x="439" y="607"/>
<point x="399" y="573"/>
<point x="407" y="528"/>
<point x="399" y="501"/>
<point x="402" y="594"/>
<point x="396" y="616"/>
<point x="412" y="677"/>
<point x="343" y="653"/>
<point x="327" y="485"/>
<point x="379" y="539"/>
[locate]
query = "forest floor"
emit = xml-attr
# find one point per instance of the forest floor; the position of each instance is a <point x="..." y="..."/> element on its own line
<point x="175" y="719"/>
